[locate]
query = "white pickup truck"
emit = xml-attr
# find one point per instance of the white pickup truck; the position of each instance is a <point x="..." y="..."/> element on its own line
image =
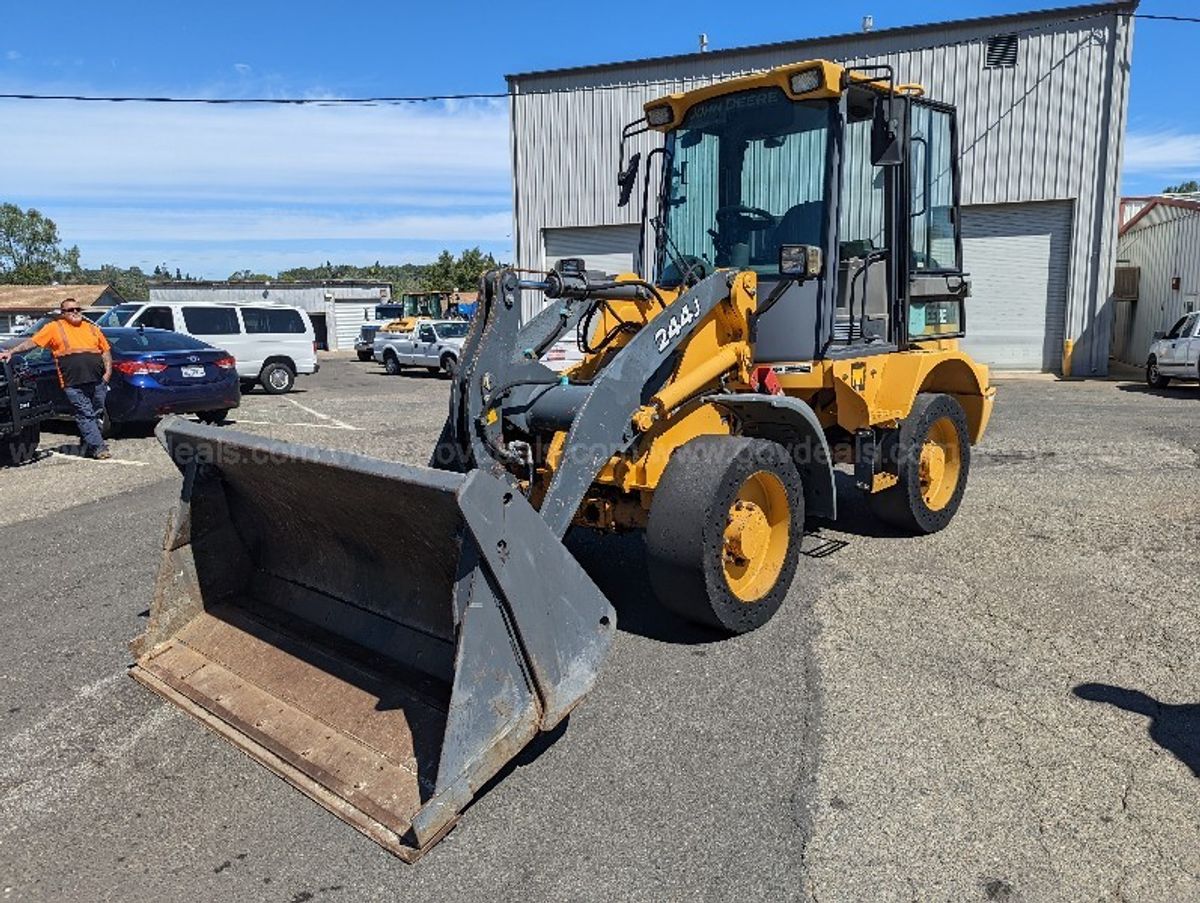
<point x="435" y="344"/>
<point x="1175" y="355"/>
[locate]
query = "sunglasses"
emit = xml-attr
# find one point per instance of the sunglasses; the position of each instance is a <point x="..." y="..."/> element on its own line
<point x="72" y="310"/>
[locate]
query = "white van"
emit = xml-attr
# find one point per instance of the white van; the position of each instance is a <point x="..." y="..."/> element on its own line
<point x="272" y="343"/>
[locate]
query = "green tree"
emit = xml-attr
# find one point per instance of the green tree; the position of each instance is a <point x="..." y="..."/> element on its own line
<point x="30" y="250"/>
<point x="1188" y="187"/>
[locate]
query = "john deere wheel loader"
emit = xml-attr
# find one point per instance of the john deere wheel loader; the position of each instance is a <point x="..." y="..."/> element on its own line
<point x="805" y="306"/>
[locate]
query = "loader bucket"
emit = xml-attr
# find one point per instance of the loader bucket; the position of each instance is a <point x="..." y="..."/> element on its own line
<point x="384" y="637"/>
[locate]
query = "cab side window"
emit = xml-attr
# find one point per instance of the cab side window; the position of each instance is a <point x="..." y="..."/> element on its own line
<point x="1177" y="329"/>
<point x="426" y="334"/>
<point x="934" y="244"/>
<point x="157" y="318"/>
<point x="211" y="320"/>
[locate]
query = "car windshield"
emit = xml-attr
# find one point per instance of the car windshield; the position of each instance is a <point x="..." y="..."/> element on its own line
<point x="135" y="342"/>
<point x="119" y="315"/>
<point x="452" y="330"/>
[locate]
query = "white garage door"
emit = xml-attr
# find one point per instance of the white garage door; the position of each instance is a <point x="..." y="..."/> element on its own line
<point x="606" y="248"/>
<point x="1017" y="257"/>
<point x="350" y="316"/>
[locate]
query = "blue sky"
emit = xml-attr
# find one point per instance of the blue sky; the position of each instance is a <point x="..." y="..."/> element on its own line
<point x="215" y="189"/>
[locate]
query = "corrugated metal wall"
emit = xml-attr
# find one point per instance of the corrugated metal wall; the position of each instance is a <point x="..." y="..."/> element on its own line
<point x="1050" y="128"/>
<point x="1163" y="249"/>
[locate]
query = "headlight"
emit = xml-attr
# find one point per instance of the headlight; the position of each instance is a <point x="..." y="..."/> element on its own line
<point x="808" y="80"/>
<point x="660" y="115"/>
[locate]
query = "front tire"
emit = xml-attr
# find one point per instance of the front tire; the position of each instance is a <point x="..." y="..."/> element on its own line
<point x="277" y="378"/>
<point x="723" y="538"/>
<point x="1154" y="377"/>
<point x="213" y="418"/>
<point x="931" y="456"/>
<point x="449" y="366"/>
<point x="365" y="356"/>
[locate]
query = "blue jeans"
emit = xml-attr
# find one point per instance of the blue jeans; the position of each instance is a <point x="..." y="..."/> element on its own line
<point x="88" y="401"/>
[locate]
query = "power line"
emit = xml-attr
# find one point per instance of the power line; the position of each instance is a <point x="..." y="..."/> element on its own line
<point x="434" y="98"/>
<point x="280" y="101"/>
<point x="1166" y="18"/>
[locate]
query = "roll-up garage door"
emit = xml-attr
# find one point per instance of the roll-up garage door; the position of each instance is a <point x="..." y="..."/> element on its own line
<point x="1017" y="256"/>
<point x="350" y="315"/>
<point x="606" y="248"/>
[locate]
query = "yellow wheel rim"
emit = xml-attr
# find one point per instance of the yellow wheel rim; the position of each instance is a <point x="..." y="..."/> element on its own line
<point x="940" y="465"/>
<point x="757" y="532"/>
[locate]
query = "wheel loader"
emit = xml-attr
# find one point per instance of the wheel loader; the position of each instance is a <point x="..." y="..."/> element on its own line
<point x="801" y="310"/>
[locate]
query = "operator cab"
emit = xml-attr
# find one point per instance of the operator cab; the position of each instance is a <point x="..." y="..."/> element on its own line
<point x="850" y="174"/>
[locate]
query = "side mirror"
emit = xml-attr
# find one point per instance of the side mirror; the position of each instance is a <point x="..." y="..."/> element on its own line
<point x="1159" y="335"/>
<point x="627" y="178"/>
<point x="885" y="134"/>
<point x="800" y="262"/>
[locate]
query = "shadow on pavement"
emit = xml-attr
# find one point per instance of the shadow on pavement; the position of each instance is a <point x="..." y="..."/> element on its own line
<point x="617" y="564"/>
<point x="1182" y="390"/>
<point x="1176" y="728"/>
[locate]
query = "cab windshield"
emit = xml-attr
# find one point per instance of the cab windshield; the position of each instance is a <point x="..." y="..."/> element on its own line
<point x="746" y="174"/>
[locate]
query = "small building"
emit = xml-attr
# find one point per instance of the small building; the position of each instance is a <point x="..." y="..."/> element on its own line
<point x="21" y="305"/>
<point x="338" y="308"/>
<point x="1042" y="99"/>
<point x="1157" y="277"/>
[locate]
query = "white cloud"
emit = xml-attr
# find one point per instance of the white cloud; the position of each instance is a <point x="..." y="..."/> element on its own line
<point x="242" y="68"/>
<point x="329" y="181"/>
<point x="1162" y="152"/>
<point x="322" y="153"/>
<point x="227" y="225"/>
<point x="12" y="55"/>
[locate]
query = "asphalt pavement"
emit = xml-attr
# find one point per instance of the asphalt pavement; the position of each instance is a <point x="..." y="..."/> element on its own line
<point x="1008" y="710"/>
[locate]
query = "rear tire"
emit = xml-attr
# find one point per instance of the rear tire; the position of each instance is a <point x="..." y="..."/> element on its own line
<point x="1155" y="379"/>
<point x="277" y="378"/>
<point x="391" y="364"/>
<point x="109" y="428"/>
<point x="931" y="455"/>
<point x="365" y="356"/>
<point x="213" y="418"/>
<point x="723" y="538"/>
<point x="21" y="448"/>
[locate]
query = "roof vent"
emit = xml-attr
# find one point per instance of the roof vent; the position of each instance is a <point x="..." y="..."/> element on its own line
<point x="1001" y="52"/>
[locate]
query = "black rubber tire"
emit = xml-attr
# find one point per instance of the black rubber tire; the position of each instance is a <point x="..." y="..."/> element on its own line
<point x="1154" y="379"/>
<point x="21" y="448"/>
<point x="902" y="505"/>
<point x="109" y="428"/>
<point x="248" y="385"/>
<point x="391" y="363"/>
<point x="685" y="534"/>
<point x="270" y="372"/>
<point x="214" y="418"/>
<point x="448" y="366"/>
<point x="366" y="356"/>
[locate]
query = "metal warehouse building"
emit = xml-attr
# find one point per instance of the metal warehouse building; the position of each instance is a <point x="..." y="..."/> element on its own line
<point x="1158" y="269"/>
<point x="1042" y="101"/>
<point x="338" y="309"/>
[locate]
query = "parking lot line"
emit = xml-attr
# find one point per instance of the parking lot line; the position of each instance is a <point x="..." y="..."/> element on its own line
<point x="319" y="426"/>
<point x="340" y="424"/>
<point x="58" y="454"/>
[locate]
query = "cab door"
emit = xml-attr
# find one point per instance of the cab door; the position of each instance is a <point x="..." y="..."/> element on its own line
<point x="425" y="353"/>
<point x="1189" y="349"/>
<point x="1173" y="360"/>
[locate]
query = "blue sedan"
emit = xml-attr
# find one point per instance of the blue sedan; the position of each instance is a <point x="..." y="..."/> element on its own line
<point x="155" y="372"/>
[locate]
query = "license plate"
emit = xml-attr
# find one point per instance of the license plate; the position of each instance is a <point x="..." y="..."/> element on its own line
<point x="192" y="372"/>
